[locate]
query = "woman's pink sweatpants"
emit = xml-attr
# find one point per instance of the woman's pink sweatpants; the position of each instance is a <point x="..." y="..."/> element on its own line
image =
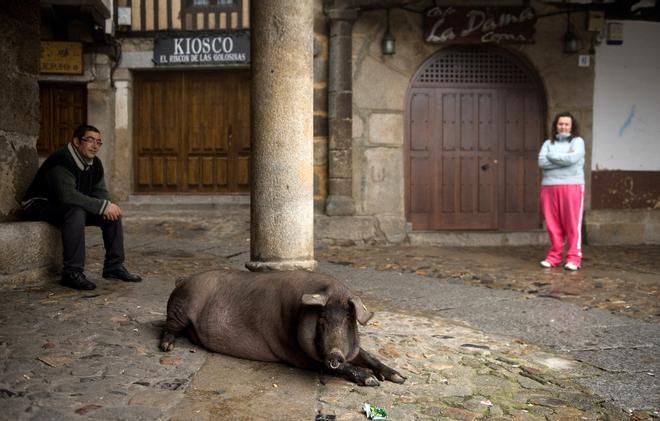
<point x="562" y="209"/>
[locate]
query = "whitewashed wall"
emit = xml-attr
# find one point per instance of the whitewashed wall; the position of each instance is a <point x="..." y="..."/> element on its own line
<point x="627" y="101"/>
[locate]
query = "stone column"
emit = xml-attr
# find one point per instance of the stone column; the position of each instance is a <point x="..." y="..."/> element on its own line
<point x="122" y="176"/>
<point x="340" y="113"/>
<point x="101" y="111"/>
<point x="282" y="199"/>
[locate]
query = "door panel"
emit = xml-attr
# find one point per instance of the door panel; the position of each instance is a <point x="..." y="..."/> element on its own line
<point x="522" y="134"/>
<point x="207" y="130"/>
<point x="466" y="193"/>
<point x="421" y="165"/>
<point x="467" y="112"/>
<point x="239" y="131"/>
<point x="192" y="132"/>
<point x="156" y="132"/>
<point x="63" y="107"/>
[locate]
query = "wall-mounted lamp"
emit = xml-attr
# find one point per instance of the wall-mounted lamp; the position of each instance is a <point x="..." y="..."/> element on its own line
<point x="388" y="44"/>
<point x="570" y="40"/>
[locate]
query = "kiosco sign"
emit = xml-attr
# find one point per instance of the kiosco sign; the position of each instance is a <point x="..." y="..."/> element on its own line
<point x="217" y="48"/>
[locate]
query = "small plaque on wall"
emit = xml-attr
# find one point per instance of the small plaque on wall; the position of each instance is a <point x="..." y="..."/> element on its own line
<point x="61" y="57"/>
<point x="614" y="33"/>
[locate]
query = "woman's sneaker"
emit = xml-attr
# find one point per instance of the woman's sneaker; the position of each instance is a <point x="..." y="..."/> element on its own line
<point x="571" y="266"/>
<point x="545" y="264"/>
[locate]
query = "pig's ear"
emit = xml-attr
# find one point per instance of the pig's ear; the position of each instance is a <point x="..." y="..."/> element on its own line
<point x="314" y="299"/>
<point x="361" y="313"/>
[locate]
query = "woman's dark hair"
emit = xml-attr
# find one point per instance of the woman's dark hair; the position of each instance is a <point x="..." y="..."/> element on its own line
<point x="80" y="131"/>
<point x="575" y="131"/>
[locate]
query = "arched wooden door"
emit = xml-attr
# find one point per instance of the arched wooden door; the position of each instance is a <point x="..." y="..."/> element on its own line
<point x="474" y="123"/>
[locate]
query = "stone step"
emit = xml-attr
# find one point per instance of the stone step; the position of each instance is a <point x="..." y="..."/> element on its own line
<point x="31" y="253"/>
<point x="184" y="202"/>
<point x="479" y="238"/>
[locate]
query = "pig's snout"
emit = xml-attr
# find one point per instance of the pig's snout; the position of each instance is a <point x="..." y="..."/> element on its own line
<point x="335" y="359"/>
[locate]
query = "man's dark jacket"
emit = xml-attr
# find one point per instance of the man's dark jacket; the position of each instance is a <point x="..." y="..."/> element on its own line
<point x="66" y="178"/>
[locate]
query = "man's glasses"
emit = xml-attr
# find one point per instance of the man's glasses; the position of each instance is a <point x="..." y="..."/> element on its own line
<point x="91" y="139"/>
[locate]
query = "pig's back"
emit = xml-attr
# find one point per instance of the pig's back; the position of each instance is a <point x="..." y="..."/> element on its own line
<point x="251" y="315"/>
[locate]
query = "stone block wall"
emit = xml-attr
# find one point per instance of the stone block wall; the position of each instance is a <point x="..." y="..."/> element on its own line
<point x="622" y="226"/>
<point x="320" y="107"/>
<point x="31" y="254"/>
<point x="30" y="250"/>
<point x="19" y="108"/>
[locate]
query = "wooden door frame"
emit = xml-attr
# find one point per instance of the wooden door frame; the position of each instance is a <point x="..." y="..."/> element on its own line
<point x="519" y="61"/>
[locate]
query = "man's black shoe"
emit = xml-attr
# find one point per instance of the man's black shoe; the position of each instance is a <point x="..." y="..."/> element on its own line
<point x="76" y="280"/>
<point x="121" y="274"/>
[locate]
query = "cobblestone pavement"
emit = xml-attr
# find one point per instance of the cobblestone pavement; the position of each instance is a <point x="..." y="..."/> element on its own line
<point x="67" y="354"/>
<point x="624" y="279"/>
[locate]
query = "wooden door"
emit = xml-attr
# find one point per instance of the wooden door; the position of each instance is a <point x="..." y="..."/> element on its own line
<point x="192" y="132"/>
<point x="453" y="159"/>
<point x="157" y="134"/>
<point x="474" y="125"/>
<point x="523" y="128"/>
<point x="63" y="107"/>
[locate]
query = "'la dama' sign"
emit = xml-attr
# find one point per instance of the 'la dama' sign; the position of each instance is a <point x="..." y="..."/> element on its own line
<point x="499" y="25"/>
<point x="216" y="48"/>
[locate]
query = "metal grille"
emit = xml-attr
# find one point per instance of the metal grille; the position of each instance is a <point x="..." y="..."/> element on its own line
<point x="472" y="67"/>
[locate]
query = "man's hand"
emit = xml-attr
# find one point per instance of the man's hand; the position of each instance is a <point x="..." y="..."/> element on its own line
<point x="113" y="212"/>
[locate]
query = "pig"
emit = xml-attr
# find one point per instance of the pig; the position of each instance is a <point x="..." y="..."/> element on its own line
<point x="305" y="319"/>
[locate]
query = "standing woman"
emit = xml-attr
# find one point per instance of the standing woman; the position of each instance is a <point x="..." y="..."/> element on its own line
<point x="562" y="191"/>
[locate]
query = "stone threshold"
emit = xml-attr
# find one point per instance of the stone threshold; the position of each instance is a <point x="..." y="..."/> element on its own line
<point x="602" y="227"/>
<point x="183" y="202"/>
<point x="479" y="238"/>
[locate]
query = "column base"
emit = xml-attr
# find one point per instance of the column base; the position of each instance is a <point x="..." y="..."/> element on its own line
<point x="339" y="206"/>
<point x="281" y="266"/>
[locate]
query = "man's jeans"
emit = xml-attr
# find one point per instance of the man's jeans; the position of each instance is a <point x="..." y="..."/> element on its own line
<point x="72" y="221"/>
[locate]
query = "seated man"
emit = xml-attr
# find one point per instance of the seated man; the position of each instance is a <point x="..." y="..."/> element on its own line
<point x="69" y="192"/>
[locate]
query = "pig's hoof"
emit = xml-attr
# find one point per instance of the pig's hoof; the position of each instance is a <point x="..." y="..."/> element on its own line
<point x="397" y="378"/>
<point x="166" y="346"/>
<point x="167" y="342"/>
<point x="389" y="374"/>
<point x="371" y="381"/>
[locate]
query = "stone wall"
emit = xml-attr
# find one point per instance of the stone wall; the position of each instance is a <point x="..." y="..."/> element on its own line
<point x="320" y="107"/>
<point x="19" y="108"/>
<point x="622" y="226"/>
<point x="30" y="250"/>
<point x="380" y="84"/>
<point x="101" y="112"/>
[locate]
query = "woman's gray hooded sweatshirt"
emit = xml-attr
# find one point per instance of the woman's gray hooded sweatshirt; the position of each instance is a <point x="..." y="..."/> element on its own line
<point x="562" y="161"/>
